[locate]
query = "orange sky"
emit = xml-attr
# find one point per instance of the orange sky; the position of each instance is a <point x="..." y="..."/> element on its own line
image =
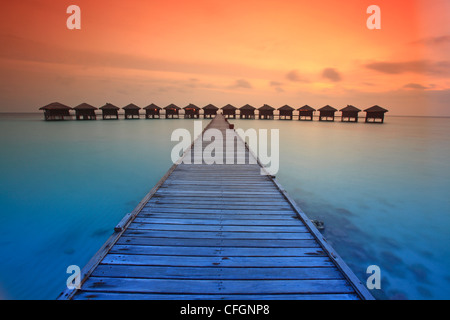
<point x="214" y="51"/>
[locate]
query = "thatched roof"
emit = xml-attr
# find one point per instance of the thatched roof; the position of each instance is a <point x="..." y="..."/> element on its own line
<point x="327" y="108"/>
<point x="55" y="106"/>
<point x="172" y="106"/>
<point x="350" y="108"/>
<point x="85" y="106"/>
<point x="109" y="106"/>
<point x="266" y="107"/>
<point x="191" y="106"/>
<point x="131" y="106"/>
<point x="152" y="106"/>
<point x="306" y="108"/>
<point x="286" y="108"/>
<point x="376" y="109"/>
<point x="210" y="107"/>
<point x="229" y="107"/>
<point x="247" y="107"/>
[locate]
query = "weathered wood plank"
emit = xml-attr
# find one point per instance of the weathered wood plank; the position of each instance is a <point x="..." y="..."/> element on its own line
<point x="216" y="286"/>
<point x="221" y="221"/>
<point x="216" y="251"/>
<point x="215" y="228"/>
<point x="215" y="273"/>
<point x="264" y="243"/>
<point x="209" y="261"/>
<point x="89" y="295"/>
<point x="219" y="234"/>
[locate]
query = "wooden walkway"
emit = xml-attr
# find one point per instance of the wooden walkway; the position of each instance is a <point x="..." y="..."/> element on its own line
<point x="217" y="232"/>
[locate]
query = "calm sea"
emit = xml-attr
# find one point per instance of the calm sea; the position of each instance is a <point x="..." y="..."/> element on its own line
<point x="381" y="190"/>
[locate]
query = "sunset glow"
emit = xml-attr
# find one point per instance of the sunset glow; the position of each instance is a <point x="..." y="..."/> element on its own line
<point x="220" y="52"/>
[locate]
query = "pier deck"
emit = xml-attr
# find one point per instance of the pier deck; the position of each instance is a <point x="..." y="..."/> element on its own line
<point x="217" y="232"/>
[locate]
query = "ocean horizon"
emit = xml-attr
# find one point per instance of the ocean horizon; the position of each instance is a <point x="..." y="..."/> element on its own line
<point x="381" y="191"/>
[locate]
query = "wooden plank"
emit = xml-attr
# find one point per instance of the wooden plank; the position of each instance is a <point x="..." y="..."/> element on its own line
<point x="187" y="286"/>
<point x="215" y="273"/>
<point x="219" y="216"/>
<point x="169" y="219"/>
<point x="89" y="295"/>
<point x="216" y="251"/>
<point x="218" y="242"/>
<point x="215" y="228"/>
<point x="210" y="261"/>
<point x="236" y="211"/>
<point x="219" y="234"/>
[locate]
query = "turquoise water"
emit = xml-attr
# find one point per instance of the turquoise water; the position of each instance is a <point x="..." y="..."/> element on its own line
<point x="381" y="190"/>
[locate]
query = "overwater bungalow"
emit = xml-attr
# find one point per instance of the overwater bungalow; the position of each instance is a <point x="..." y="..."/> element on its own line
<point x="375" y="114"/>
<point x="229" y="111"/>
<point x="286" y="112"/>
<point x="56" y="111"/>
<point x="172" y="111"/>
<point x="209" y="111"/>
<point x="306" y="113"/>
<point x="349" y="114"/>
<point x="110" y="111"/>
<point x="131" y="111"/>
<point x="191" y="111"/>
<point x="85" y="111"/>
<point x="266" y="112"/>
<point x="152" y="111"/>
<point x="247" y="112"/>
<point x="327" y="113"/>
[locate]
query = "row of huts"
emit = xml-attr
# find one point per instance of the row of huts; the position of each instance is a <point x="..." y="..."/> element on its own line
<point x="84" y="111"/>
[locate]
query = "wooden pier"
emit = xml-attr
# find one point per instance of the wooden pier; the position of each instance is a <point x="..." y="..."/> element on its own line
<point x="220" y="231"/>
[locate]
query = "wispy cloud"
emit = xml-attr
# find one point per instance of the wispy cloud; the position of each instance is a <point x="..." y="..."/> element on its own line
<point x="398" y="67"/>
<point x="415" y="86"/>
<point x="277" y="86"/>
<point x="416" y="66"/>
<point x="434" y="41"/>
<point x="241" y="83"/>
<point x="275" y="83"/>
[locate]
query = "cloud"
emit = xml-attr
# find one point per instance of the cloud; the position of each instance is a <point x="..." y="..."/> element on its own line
<point x="434" y="41"/>
<point x="279" y="89"/>
<point x="415" y="86"/>
<point x="416" y="66"/>
<point x="27" y="50"/>
<point x="331" y="74"/>
<point x="275" y="83"/>
<point x="241" y="83"/>
<point x="277" y="86"/>
<point x="295" y="76"/>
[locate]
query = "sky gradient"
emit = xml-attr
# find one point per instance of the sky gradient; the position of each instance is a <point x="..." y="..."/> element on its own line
<point x="220" y="52"/>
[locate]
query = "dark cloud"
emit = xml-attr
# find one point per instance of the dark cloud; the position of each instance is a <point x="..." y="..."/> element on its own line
<point x="295" y="76"/>
<point x="331" y="74"/>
